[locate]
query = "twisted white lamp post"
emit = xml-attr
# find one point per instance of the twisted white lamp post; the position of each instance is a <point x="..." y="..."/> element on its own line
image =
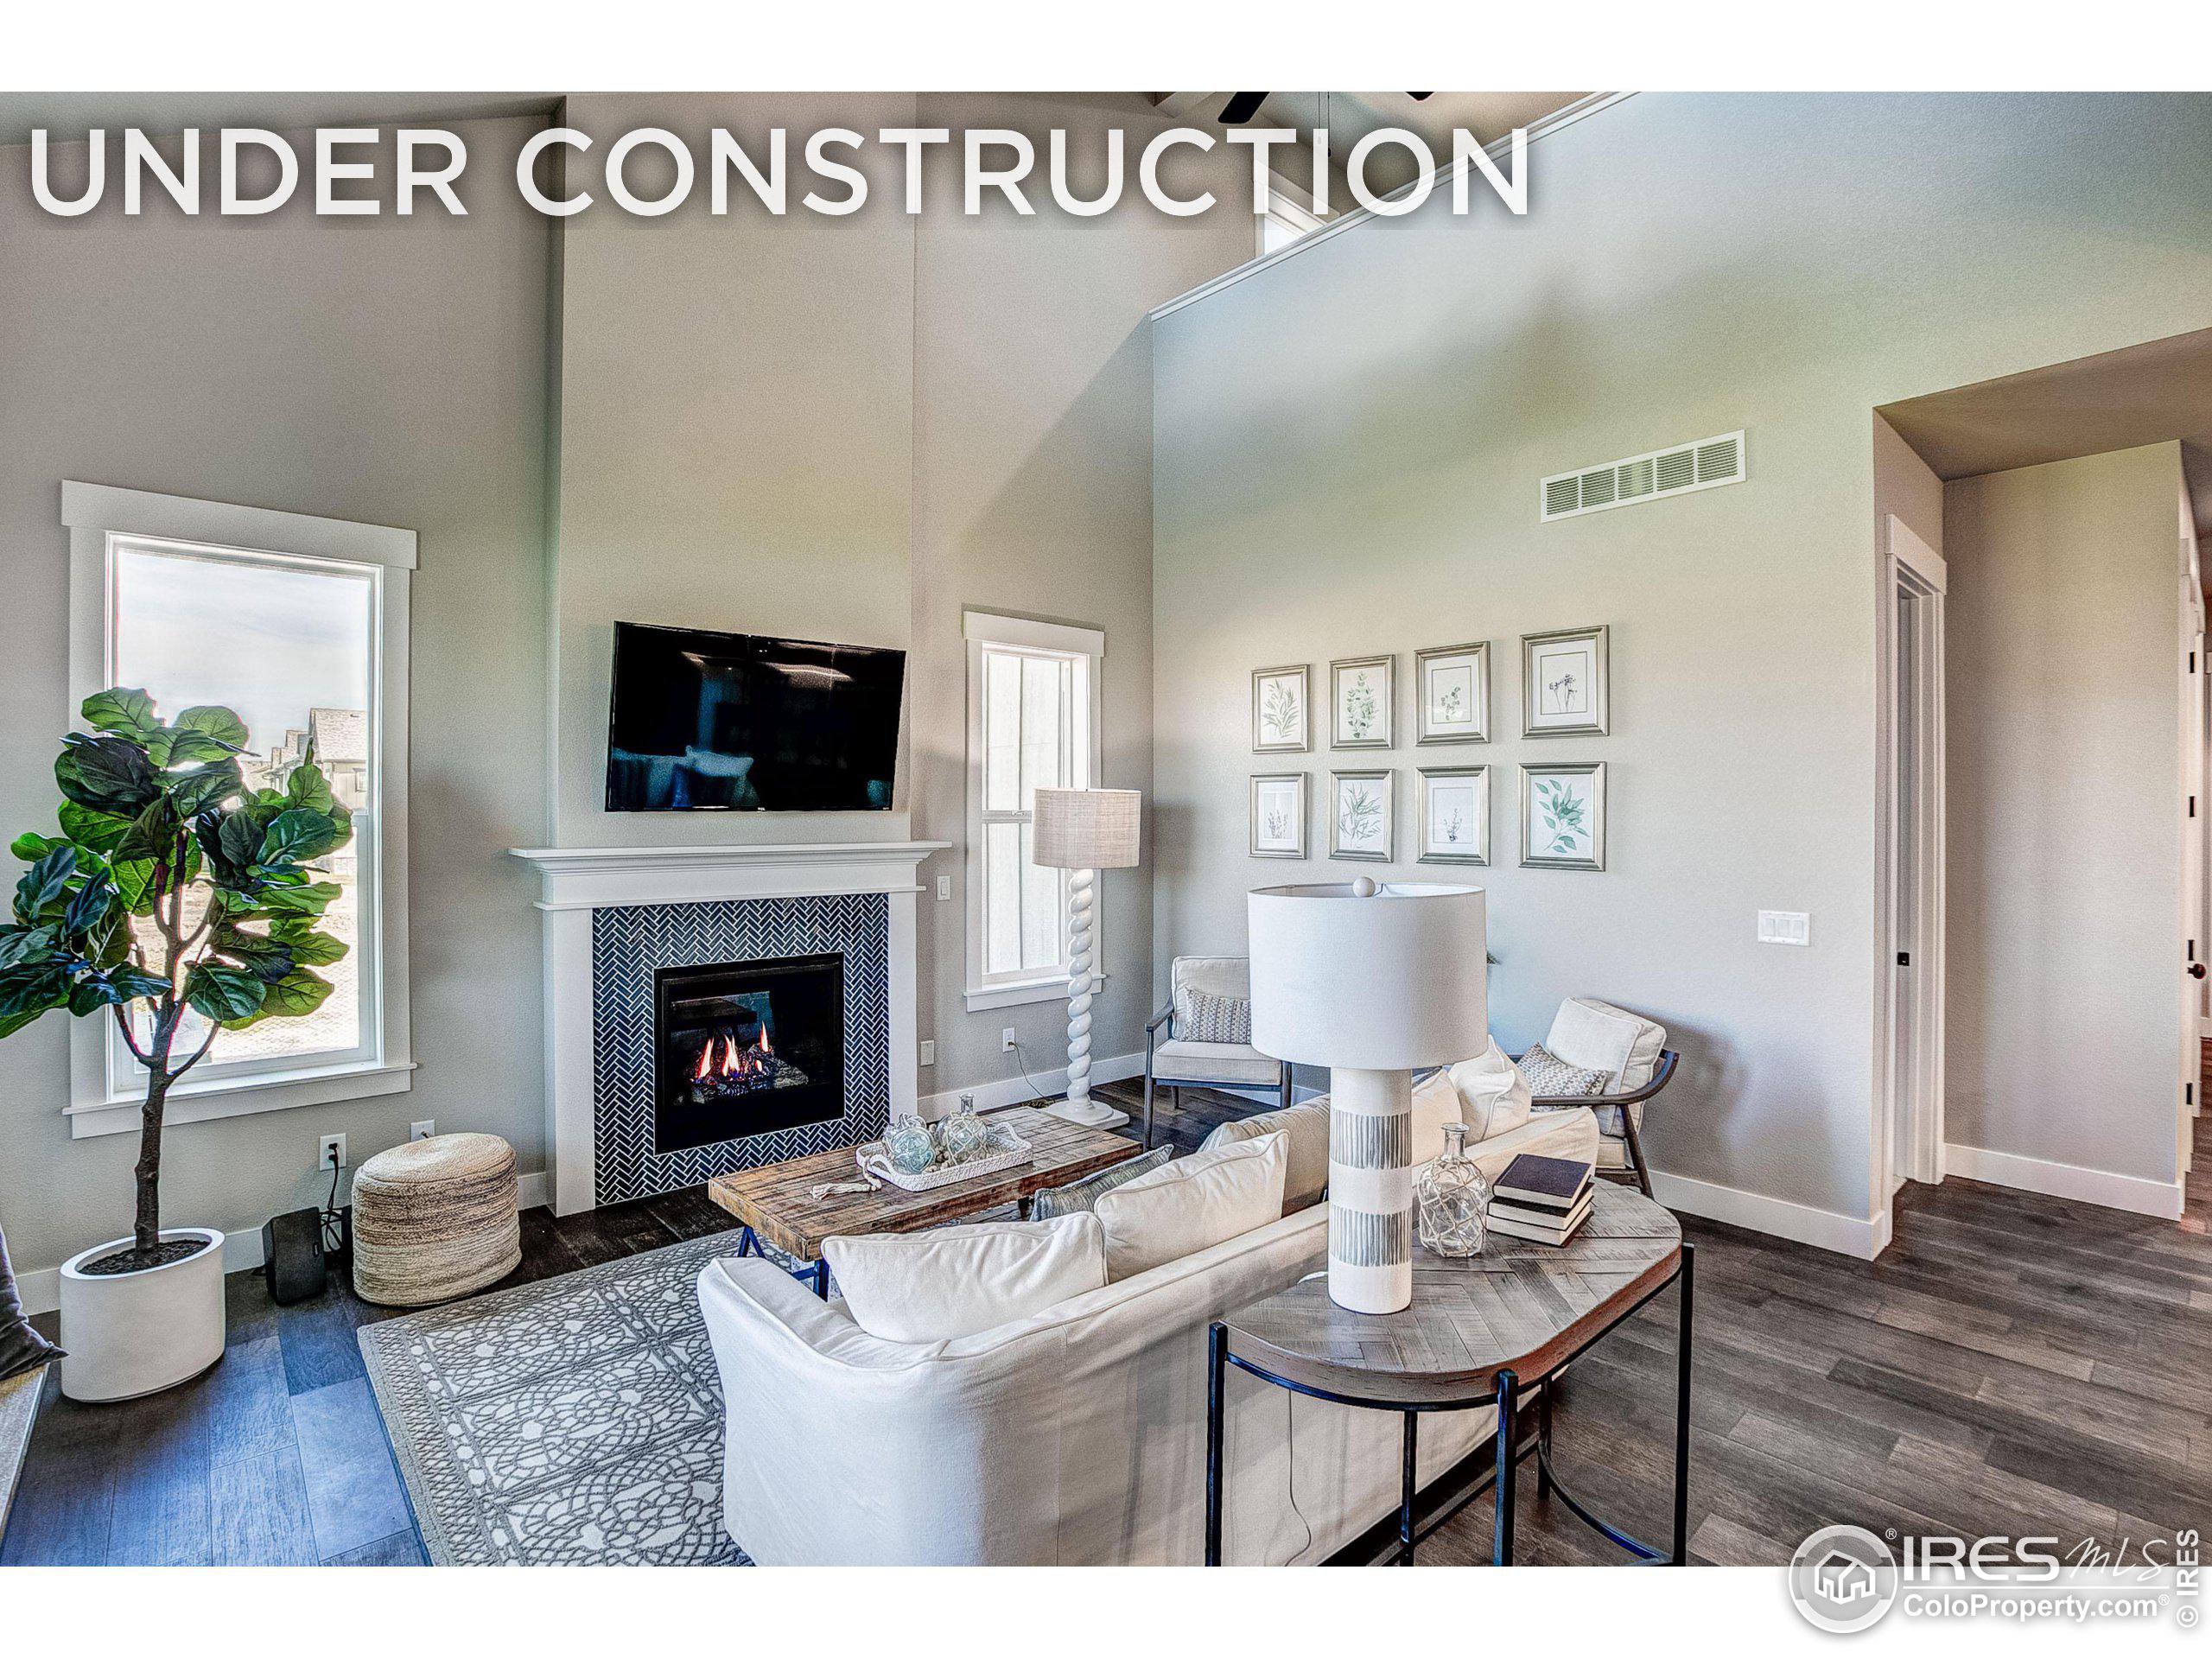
<point x="1084" y="831"/>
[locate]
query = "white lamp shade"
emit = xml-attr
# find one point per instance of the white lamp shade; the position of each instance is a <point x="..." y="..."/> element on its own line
<point x="1390" y="982"/>
<point x="1086" y="829"/>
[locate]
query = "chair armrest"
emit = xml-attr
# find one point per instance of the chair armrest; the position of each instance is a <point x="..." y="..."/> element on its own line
<point x="1165" y="1017"/>
<point x="1668" y="1059"/>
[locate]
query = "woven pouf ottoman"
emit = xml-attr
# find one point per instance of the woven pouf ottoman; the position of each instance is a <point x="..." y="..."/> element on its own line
<point x="435" y="1219"/>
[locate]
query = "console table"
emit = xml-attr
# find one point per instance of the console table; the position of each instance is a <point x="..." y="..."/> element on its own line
<point x="1494" y="1328"/>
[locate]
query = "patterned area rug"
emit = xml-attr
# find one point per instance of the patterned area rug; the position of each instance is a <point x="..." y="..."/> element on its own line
<point x="575" y="1421"/>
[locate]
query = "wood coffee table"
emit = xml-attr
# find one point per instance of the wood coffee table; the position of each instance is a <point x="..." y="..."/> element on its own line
<point x="775" y="1203"/>
<point x="1485" y="1329"/>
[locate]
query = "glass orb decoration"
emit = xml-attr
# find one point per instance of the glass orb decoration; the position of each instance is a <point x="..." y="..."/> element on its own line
<point x="964" y="1133"/>
<point x="912" y="1146"/>
<point x="1450" y="1198"/>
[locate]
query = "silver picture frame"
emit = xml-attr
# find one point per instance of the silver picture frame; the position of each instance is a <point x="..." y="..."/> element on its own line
<point x="1553" y="844"/>
<point x="1264" y="799"/>
<point x="1359" y="711"/>
<point x="1270" y="733"/>
<point x="1360" y="824"/>
<point x="1566" y="688"/>
<point x="1442" y="838"/>
<point x="1452" y="694"/>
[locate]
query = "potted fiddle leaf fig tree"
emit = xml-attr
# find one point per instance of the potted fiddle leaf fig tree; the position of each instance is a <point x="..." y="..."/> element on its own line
<point x="178" y="902"/>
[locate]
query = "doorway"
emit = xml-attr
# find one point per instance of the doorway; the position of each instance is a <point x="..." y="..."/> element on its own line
<point x="1914" y="1131"/>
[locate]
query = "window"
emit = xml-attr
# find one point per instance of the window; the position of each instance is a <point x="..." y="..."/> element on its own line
<point x="296" y="624"/>
<point x="1285" y="222"/>
<point x="1033" y="722"/>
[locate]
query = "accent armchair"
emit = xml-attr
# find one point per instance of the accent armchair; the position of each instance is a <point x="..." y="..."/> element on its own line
<point x="1631" y="1052"/>
<point x="1184" y="1057"/>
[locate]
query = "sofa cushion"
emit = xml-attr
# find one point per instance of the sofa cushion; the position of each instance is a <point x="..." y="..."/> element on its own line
<point x="1079" y="1196"/>
<point x="954" y="1282"/>
<point x="1305" y="1130"/>
<point x="1232" y="1062"/>
<point x="1601" y="1038"/>
<point x="1192" y="1203"/>
<point x="1493" y="1095"/>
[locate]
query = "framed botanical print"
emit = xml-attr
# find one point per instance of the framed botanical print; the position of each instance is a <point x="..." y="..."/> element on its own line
<point x="1563" y="815"/>
<point x="1280" y="721"/>
<point x="1452" y="694"/>
<point x="1563" y="690"/>
<point x="1455" y="815"/>
<point x="1279" y="814"/>
<point x="1359" y="815"/>
<point x="1360" y="692"/>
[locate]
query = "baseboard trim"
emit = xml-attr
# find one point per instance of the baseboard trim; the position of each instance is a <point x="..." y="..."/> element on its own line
<point x="1018" y="1090"/>
<point x="41" y="1289"/>
<point x="2133" y="1193"/>
<point x="1800" y="1223"/>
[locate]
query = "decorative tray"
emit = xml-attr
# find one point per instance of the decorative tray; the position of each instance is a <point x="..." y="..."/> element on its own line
<point x="1005" y="1150"/>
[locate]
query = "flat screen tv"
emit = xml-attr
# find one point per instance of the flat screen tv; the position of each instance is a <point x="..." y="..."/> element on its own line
<point x="740" y="723"/>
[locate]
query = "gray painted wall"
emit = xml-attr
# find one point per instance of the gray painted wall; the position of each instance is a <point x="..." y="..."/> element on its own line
<point x="1347" y="451"/>
<point x="2063" y="1018"/>
<point x="373" y="369"/>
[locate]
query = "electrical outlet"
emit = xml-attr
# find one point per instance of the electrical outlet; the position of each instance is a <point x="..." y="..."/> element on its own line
<point x="330" y="1151"/>
<point x="943" y="888"/>
<point x="422" y="1128"/>
<point x="1006" y="1040"/>
<point x="928" y="1051"/>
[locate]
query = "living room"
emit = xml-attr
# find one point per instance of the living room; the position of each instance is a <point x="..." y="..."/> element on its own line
<point x="819" y="744"/>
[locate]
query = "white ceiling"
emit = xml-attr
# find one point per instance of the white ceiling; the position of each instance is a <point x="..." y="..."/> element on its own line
<point x="157" y="113"/>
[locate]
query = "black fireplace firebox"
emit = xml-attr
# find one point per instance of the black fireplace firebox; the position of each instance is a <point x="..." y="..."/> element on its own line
<point x="744" y="1048"/>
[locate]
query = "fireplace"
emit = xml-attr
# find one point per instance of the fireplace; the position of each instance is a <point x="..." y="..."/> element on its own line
<point x="746" y="1048"/>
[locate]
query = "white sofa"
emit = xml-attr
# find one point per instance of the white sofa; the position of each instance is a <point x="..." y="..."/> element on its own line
<point x="1074" y="1436"/>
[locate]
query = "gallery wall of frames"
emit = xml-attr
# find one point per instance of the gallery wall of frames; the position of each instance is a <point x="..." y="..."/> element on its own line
<point x="1558" y="806"/>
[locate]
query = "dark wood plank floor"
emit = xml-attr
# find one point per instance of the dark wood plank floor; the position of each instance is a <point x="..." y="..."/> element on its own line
<point x="2012" y="1364"/>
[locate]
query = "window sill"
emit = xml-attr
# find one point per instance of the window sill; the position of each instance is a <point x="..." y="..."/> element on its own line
<point x="270" y="1091"/>
<point x="1052" y="989"/>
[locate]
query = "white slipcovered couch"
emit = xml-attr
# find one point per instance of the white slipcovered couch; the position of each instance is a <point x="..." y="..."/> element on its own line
<point x="1073" y="1436"/>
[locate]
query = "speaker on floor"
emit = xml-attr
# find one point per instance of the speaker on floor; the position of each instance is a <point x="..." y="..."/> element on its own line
<point x="291" y="1256"/>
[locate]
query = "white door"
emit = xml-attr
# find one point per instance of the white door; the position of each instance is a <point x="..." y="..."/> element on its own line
<point x="1914" y="1131"/>
<point x="2194" y="944"/>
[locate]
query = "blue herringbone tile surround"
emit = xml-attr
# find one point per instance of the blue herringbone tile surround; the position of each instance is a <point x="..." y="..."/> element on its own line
<point x="629" y="942"/>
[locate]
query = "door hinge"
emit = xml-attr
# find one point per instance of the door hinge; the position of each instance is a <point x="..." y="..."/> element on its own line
<point x="2188" y="1094"/>
<point x="2192" y="806"/>
<point x="1905" y="958"/>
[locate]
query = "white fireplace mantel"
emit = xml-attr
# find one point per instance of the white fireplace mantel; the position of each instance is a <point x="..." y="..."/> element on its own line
<point x="573" y="881"/>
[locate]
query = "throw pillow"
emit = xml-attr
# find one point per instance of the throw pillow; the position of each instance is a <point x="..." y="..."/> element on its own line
<point x="1493" y="1094"/>
<point x="1217" y="1020"/>
<point x="1625" y="1047"/>
<point x="954" y="1282"/>
<point x="1548" y="1074"/>
<point x="1436" y="1103"/>
<point x="1077" y="1198"/>
<point x="1192" y="1204"/>
<point x="1304" y="1129"/>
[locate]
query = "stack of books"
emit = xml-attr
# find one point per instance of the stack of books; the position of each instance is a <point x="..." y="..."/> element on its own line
<point x="1541" y="1198"/>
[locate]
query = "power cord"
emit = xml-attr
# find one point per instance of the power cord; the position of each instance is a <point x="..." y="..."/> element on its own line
<point x="334" y="1220"/>
<point x="1022" y="1061"/>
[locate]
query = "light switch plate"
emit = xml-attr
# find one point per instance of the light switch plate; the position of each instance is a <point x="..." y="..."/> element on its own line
<point x="1785" y="927"/>
<point x="928" y="1051"/>
<point x="943" y="888"/>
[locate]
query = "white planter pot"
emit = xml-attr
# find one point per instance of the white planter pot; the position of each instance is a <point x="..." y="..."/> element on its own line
<point x="134" y="1333"/>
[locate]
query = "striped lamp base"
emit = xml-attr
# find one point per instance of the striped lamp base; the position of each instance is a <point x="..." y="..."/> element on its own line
<point x="1370" y="1190"/>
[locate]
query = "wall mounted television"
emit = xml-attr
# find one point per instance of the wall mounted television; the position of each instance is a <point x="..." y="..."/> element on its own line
<point x="741" y="722"/>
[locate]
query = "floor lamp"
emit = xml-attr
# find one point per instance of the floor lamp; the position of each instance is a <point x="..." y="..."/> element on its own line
<point x="1373" y="982"/>
<point x="1083" y="830"/>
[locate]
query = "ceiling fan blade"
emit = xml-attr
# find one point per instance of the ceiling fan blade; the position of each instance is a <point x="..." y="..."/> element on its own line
<point x="1240" y="108"/>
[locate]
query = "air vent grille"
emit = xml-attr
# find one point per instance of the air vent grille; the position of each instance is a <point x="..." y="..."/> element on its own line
<point x="1703" y="465"/>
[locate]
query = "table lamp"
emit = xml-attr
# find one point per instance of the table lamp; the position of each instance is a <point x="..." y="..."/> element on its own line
<point x="1083" y="830"/>
<point x="1375" y="981"/>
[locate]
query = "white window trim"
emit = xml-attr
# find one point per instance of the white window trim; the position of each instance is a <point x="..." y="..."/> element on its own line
<point x="96" y="517"/>
<point x="982" y="628"/>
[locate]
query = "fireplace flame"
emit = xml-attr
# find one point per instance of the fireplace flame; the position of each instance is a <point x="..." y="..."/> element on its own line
<point x="734" y="1061"/>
